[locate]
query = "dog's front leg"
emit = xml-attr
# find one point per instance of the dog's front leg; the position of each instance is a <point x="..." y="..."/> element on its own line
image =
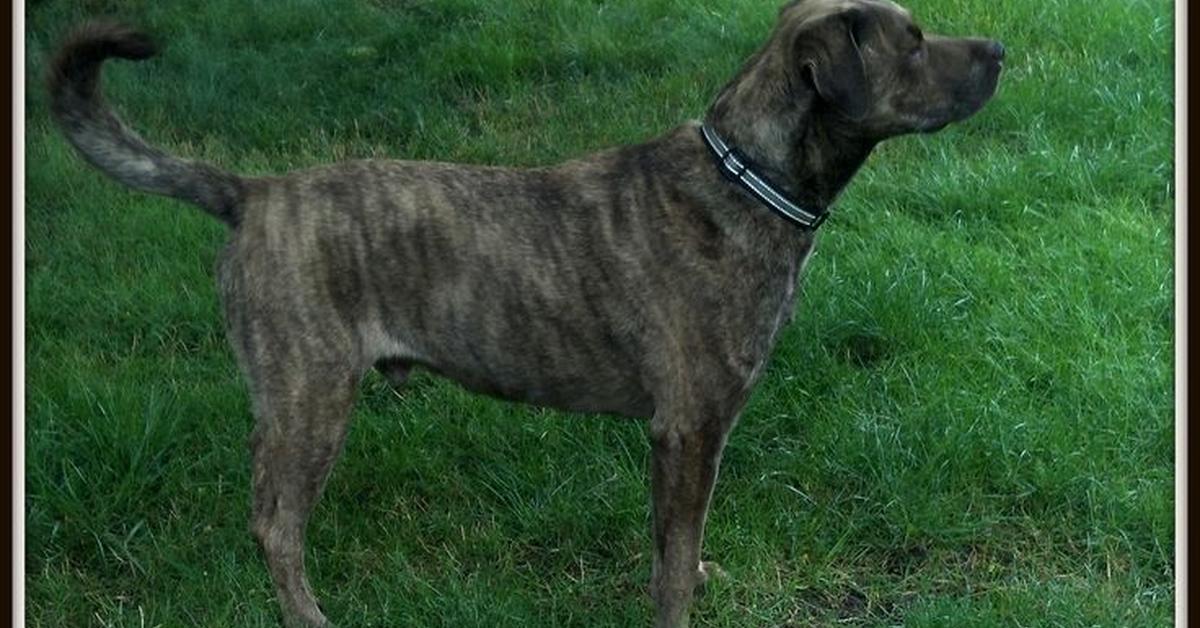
<point x="686" y="446"/>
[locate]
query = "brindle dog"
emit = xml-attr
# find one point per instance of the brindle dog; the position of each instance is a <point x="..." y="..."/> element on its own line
<point x="638" y="281"/>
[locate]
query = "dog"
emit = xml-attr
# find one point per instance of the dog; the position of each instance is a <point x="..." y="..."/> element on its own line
<point x="648" y="281"/>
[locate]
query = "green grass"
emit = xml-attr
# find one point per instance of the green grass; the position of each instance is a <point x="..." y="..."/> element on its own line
<point x="969" y="423"/>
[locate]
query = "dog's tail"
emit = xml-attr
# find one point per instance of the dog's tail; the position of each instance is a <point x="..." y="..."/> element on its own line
<point x="108" y="144"/>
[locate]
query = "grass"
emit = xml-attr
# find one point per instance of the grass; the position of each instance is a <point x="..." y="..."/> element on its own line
<point x="969" y="423"/>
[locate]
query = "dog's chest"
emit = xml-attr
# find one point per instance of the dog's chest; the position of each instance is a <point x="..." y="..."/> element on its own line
<point x="771" y="311"/>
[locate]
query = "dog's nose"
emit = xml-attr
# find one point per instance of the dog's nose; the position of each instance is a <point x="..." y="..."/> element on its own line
<point x="996" y="50"/>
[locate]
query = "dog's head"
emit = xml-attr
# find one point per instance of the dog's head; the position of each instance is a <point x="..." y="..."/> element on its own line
<point x="868" y="61"/>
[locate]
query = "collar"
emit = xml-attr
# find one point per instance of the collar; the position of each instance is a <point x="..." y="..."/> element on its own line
<point x="736" y="167"/>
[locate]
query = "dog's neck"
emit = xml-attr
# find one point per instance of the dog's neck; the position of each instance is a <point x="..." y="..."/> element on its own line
<point x="822" y="160"/>
<point x="811" y="160"/>
<point x="804" y="147"/>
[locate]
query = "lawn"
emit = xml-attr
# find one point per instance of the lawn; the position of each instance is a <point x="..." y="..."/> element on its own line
<point x="968" y="424"/>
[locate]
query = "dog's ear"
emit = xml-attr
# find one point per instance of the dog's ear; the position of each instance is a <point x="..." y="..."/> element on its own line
<point x="827" y="54"/>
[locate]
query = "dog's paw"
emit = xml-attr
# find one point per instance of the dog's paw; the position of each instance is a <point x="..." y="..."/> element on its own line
<point x="707" y="571"/>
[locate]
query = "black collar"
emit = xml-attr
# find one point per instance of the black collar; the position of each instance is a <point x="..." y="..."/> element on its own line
<point x="736" y="168"/>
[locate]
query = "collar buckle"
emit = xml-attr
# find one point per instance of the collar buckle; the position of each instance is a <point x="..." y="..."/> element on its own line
<point x="735" y="167"/>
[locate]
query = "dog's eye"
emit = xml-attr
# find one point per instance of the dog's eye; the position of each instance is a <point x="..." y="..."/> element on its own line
<point x="917" y="53"/>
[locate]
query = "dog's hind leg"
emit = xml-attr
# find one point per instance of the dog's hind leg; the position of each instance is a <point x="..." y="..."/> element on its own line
<point x="302" y="411"/>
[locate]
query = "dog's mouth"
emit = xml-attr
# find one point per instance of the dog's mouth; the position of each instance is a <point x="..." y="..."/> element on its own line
<point x="968" y="101"/>
<point x="935" y="123"/>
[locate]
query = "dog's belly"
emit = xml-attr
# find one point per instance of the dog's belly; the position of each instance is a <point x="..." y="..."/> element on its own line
<point x="537" y="361"/>
<point x="562" y="391"/>
<point x="515" y="331"/>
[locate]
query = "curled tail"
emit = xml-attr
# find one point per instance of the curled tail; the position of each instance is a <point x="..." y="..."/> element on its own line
<point x="108" y="144"/>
